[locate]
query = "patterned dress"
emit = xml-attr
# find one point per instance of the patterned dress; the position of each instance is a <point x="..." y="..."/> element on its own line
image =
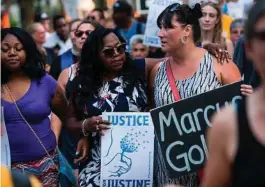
<point x="114" y="96"/>
<point x="203" y="80"/>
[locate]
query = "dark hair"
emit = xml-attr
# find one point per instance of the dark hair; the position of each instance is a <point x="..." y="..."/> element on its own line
<point x="100" y="11"/>
<point x="40" y="16"/>
<point x="55" y="19"/>
<point x="73" y="21"/>
<point x="185" y="15"/>
<point x="254" y="15"/>
<point x="96" y="25"/>
<point x="123" y="6"/>
<point x="237" y="22"/>
<point x="34" y="66"/>
<point x="91" y="68"/>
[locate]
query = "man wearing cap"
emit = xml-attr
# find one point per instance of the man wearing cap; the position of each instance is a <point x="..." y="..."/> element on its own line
<point x="44" y="19"/>
<point x="126" y="25"/>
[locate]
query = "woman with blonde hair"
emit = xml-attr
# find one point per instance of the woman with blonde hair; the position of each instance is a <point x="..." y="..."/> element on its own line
<point x="211" y="26"/>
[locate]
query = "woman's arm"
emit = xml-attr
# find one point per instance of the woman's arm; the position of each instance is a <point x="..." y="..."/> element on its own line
<point x="212" y="48"/>
<point x="93" y="124"/>
<point x="150" y="64"/>
<point x="221" y="150"/>
<point x="56" y="123"/>
<point x="63" y="78"/>
<point x="56" y="126"/>
<point x="151" y="85"/>
<point x="229" y="47"/>
<point x="227" y="73"/>
<point x="59" y="104"/>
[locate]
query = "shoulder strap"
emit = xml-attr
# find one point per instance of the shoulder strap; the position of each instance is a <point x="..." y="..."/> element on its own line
<point x="32" y="130"/>
<point x="70" y="72"/>
<point x="171" y="80"/>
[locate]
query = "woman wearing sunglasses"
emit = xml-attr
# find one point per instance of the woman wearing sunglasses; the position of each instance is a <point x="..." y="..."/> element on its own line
<point x="194" y="71"/>
<point x="70" y="145"/>
<point x="81" y="33"/>
<point x="239" y="158"/>
<point x="107" y="80"/>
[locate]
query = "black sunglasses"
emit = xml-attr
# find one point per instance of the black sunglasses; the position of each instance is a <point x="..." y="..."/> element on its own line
<point x="92" y="18"/>
<point x="80" y="33"/>
<point x="259" y="35"/>
<point x="174" y="7"/>
<point x="110" y="52"/>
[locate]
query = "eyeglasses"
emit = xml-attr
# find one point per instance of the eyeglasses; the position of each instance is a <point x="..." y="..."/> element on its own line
<point x="92" y="18"/>
<point x="81" y="33"/>
<point x="259" y="35"/>
<point x="110" y="52"/>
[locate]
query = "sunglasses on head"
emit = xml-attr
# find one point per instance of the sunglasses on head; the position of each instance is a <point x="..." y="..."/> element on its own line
<point x="81" y="33"/>
<point x="260" y="35"/>
<point x="174" y="7"/>
<point x="110" y="52"/>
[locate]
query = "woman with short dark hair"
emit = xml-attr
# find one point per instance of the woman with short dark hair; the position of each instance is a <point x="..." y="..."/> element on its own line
<point x="29" y="95"/>
<point x="193" y="71"/>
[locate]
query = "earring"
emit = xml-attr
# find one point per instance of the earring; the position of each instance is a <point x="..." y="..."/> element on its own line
<point x="184" y="39"/>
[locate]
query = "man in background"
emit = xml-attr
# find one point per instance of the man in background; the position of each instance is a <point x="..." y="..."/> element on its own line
<point x="59" y="41"/>
<point x="69" y="57"/>
<point x="37" y="31"/>
<point x="97" y="15"/>
<point x="44" y="19"/>
<point x="126" y="25"/>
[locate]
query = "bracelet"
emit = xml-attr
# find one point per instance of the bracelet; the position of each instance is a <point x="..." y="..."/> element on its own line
<point x="85" y="133"/>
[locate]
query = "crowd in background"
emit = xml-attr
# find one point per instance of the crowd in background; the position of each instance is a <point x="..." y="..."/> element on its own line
<point x="57" y="82"/>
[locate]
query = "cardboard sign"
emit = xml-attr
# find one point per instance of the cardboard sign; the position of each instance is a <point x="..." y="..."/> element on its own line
<point x="180" y="128"/>
<point x="5" y="148"/>
<point x="152" y="30"/>
<point x="127" y="150"/>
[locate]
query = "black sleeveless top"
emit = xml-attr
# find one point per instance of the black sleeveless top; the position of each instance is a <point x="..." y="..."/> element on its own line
<point x="249" y="164"/>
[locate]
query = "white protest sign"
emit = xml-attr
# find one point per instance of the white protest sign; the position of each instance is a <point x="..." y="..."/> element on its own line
<point x="70" y="7"/>
<point x="5" y="149"/>
<point x="152" y="30"/>
<point x="127" y="150"/>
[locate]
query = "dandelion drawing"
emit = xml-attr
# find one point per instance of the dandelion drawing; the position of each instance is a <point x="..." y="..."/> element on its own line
<point x="130" y="143"/>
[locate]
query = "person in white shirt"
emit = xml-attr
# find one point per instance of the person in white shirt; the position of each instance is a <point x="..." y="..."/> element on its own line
<point x="59" y="41"/>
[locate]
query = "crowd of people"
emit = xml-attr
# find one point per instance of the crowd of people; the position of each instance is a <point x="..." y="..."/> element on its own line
<point x="55" y="87"/>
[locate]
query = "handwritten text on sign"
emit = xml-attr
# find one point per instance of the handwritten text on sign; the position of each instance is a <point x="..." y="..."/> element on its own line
<point x="180" y="128"/>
